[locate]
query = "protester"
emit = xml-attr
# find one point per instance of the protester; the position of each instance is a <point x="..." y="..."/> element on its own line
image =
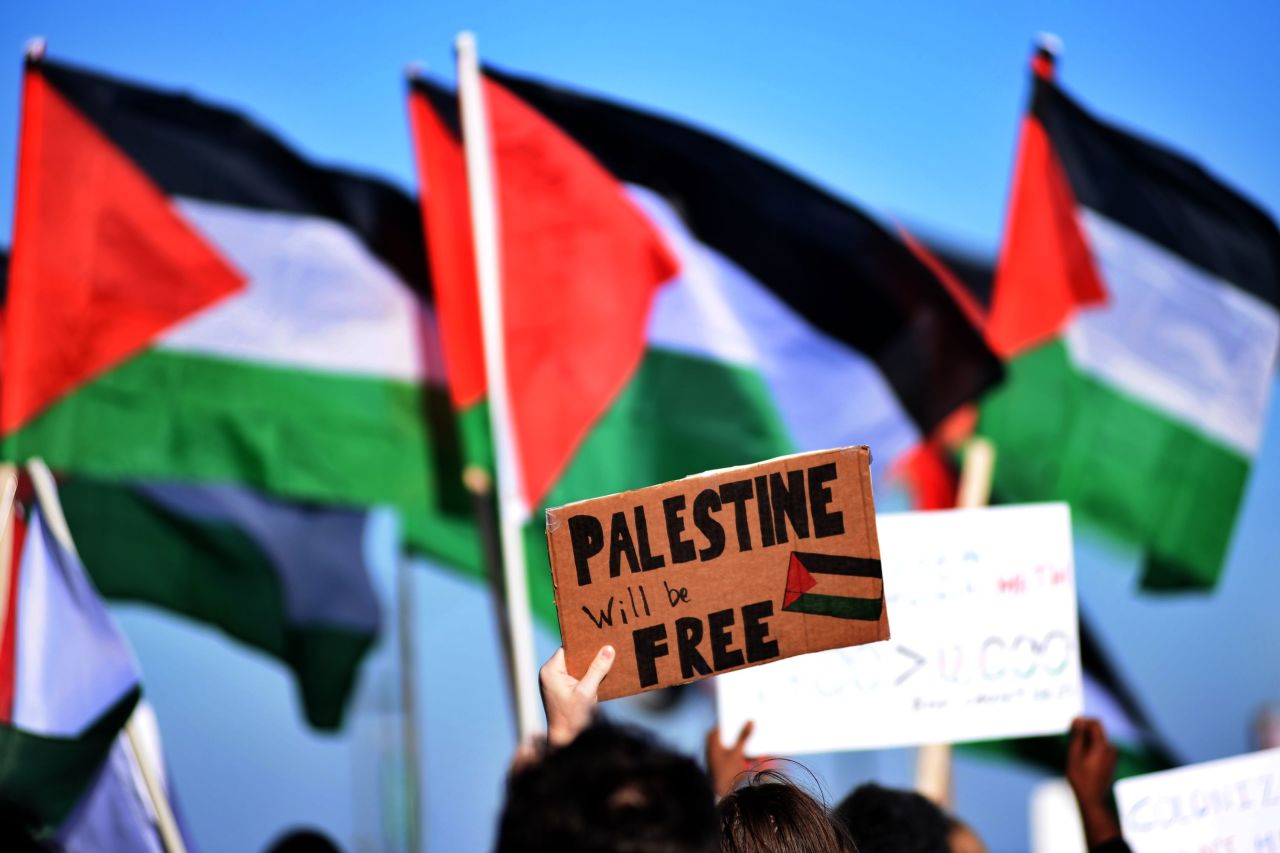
<point x="771" y="814"/>
<point x="609" y="789"/>
<point x="1091" y="769"/>
<point x="886" y="819"/>
<point x="601" y="787"/>
<point x="303" y="841"/>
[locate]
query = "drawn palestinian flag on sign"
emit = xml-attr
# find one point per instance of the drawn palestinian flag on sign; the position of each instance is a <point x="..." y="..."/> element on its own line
<point x="190" y="300"/>
<point x="1137" y="299"/>
<point x="791" y="320"/>
<point x="845" y="587"/>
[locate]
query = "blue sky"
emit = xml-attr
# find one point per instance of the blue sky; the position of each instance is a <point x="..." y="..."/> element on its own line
<point x="908" y="108"/>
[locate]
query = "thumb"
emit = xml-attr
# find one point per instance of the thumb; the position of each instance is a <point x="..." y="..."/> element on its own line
<point x="599" y="668"/>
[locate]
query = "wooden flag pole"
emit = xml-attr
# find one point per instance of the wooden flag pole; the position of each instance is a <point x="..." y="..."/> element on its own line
<point x="933" y="761"/>
<point x="512" y="512"/>
<point x="47" y="496"/>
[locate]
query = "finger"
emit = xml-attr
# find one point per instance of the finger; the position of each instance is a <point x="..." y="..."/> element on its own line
<point x="747" y="728"/>
<point x="599" y="668"/>
<point x="554" y="664"/>
<point x="1095" y="738"/>
<point x="1075" y="740"/>
<point x="713" y="737"/>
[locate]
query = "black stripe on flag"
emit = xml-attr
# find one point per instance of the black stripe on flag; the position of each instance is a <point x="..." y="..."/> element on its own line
<point x="1162" y="195"/>
<point x="192" y="149"/>
<point x="836" y="564"/>
<point x="835" y="266"/>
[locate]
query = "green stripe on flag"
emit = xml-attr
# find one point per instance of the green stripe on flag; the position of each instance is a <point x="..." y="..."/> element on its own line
<point x="1063" y="435"/>
<point x="169" y="415"/>
<point x="842" y="607"/>
<point x="42" y="778"/>
<point x="336" y="439"/>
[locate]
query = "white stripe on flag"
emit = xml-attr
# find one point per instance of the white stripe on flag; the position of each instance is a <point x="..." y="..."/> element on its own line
<point x="827" y="394"/>
<point x="1177" y="338"/>
<point x="72" y="664"/>
<point x="316" y="299"/>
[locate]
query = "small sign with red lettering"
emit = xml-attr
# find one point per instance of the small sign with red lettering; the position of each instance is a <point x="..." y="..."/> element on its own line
<point x="720" y="571"/>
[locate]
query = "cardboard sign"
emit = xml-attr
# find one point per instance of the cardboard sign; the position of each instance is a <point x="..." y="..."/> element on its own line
<point x="720" y="571"/>
<point x="1227" y="805"/>
<point x="985" y="643"/>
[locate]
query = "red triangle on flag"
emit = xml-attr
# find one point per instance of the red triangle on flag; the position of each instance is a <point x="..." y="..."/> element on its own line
<point x="799" y="581"/>
<point x="1045" y="271"/>
<point x="102" y="263"/>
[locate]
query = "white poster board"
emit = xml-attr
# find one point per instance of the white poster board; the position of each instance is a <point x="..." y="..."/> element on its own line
<point x="982" y="609"/>
<point x="1232" y="804"/>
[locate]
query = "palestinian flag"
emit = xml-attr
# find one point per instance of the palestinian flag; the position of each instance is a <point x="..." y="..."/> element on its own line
<point x="789" y="320"/>
<point x="1137" y="299"/>
<point x="190" y="300"/>
<point x="288" y="579"/>
<point x="68" y="679"/>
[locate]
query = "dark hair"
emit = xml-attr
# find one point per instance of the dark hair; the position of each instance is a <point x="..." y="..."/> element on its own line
<point x="611" y="789"/>
<point x="886" y="819"/>
<point x="770" y="813"/>
<point x="303" y="841"/>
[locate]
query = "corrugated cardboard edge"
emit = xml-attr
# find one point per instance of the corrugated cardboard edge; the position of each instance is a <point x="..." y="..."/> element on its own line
<point x="714" y="472"/>
<point x="874" y="533"/>
<point x="555" y="582"/>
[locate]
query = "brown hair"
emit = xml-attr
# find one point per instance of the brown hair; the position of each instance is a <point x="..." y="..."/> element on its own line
<point x="771" y="814"/>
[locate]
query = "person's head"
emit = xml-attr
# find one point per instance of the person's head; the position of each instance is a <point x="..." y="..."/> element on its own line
<point x="885" y="819"/>
<point x="770" y="813"/>
<point x="303" y="841"/>
<point x="610" y="789"/>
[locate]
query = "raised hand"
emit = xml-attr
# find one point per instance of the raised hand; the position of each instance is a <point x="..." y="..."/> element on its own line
<point x="568" y="701"/>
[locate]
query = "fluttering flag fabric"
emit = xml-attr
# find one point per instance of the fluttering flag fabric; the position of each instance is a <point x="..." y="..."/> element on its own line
<point x="116" y="814"/>
<point x="793" y="322"/>
<point x="580" y="267"/>
<point x="191" y="301"/>
<point x="1137" y="299"/>
<point x="288" y="579"/>
<point x="68" y="679"/>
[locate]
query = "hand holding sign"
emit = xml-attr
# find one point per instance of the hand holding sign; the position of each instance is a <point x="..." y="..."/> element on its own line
<point x="568" y="701"/>
<point x="1091" y="770"/>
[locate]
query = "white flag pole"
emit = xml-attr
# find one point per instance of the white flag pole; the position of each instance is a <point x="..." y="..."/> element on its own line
<point x="512" y="511"/>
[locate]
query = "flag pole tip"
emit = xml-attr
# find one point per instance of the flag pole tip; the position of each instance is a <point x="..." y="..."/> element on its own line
<point x="1050" y="44"/>
<point x="36" y="48"/>
<point x="465" y="41"/>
